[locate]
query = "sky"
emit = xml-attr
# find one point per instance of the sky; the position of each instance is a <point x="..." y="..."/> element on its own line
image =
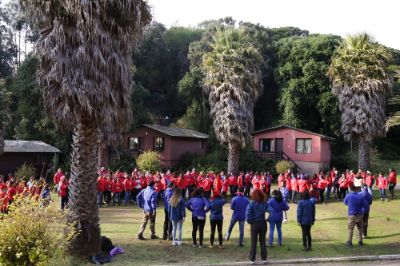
<point x="379" y="18"/>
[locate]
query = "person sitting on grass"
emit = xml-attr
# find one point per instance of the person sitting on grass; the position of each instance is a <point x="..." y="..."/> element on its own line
<point x="199" y="206"/>
<point x="356" y="204"/>
<point x="147" y="200"/>
<point x="216" y="217"/>
<point x="176" y="214"/>
<point x="255" y="216"/>
<point x="276" y="207"/>
<point x="306" y="218"/>
<point x="238" y="205"/>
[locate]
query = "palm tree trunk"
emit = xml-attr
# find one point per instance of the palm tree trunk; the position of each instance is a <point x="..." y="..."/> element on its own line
<point x="233" y="159"/>
<point x="83" y="208"/>
<point x="364" y="154"/>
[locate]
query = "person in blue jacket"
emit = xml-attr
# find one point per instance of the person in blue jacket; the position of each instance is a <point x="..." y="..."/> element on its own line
<point x="176" y="214"/>
<point x="216" y="217"/>
<point x="147" y="200"/>
<point x="199" y="206"/>
<point x="356" y="203"/>
<point x="306" y="218"/>
<point x="368" y="197"/>
<point x="238" y="205"/>
<point x="276" y="207"/>
<point x="255" y="216"/>
<point x="166" y="196"/>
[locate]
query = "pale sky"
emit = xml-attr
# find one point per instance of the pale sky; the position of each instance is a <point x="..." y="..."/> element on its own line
<point x="380" y="18"/>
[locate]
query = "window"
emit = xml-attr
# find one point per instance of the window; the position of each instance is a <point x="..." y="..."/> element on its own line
<point x="303" y="145"/>
<point x="266" y="145"/>
<point x="134" y="143"/>
<point x="159" y="144"/>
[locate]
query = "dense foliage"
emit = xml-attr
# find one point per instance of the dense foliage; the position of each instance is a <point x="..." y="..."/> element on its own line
<point x="149" y="161"/>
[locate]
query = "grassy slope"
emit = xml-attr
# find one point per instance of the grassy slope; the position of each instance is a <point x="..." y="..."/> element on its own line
<point x="329" y="233"/>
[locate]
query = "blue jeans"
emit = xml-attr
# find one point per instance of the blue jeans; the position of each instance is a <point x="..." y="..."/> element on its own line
<point x="177" y="225"/>
<point x="99" y="198"/>
<point x="271" y="232"/>
<point x="127" y="197"/>
<point x="383" y="193"/>
<point x="116" y="198"/>
<point x="328" y="192"/>
<point x="241" y="229"/>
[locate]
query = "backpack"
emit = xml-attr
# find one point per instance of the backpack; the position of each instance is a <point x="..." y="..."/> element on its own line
<point x="106" y="244"/>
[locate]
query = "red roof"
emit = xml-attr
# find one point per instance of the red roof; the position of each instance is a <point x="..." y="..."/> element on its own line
<point x="298" y="129"/>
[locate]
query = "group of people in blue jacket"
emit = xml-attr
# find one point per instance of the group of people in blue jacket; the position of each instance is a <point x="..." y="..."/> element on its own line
<point x="253" y="212"/>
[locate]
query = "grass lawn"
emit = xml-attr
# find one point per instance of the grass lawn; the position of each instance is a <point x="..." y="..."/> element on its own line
<point x="329" y="233"/>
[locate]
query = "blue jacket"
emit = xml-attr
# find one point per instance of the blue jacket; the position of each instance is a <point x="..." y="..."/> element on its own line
<point x="276" y="210"/>
<point x="356" y="203"/>
<point x="255" y="211"/>
<point x="147" y="199"/>
<point x="368" y="198"/>
<point x="198" y="206"/>
<point x="216" y="208"/>
<point x="177" y="213"/>
<point x="238" y="205"/>
<point x="285" y="193"/>
<point x="166" y="196"/>
<point x="305" y="212"/>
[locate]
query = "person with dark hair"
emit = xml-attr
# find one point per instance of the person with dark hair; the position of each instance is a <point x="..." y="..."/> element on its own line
<point x="356" y="203"/>
<point x="199" y="206"/>
<point x="166" y="196"/>
<point x="255" y="216"/>
<point x="392" y="181"/>
<point x="276" y="207"/>
<point x="147" y="199"/>
<point x="216" y="217"/>
<point x="306" y="218"/>
<point x="238" y="205"/>
<point x="368" y="197"/>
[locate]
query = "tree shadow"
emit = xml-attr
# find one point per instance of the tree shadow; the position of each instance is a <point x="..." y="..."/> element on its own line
<point x="384" y="236"/>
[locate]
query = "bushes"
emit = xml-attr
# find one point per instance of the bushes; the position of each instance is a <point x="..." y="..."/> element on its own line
<point x="31" y="234"/>
<point x="25" y="172"/>
<point x="282" y="166"/>
<point x="125" y="162"/>
<point x="149" y="161"/>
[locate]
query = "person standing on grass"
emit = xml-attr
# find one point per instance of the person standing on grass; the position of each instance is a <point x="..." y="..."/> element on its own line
<point x="382" y="185"/>
<point x="343" y="186"/>
<point x="176" y="214"/>
<point x="63" y="187"/>
<point x="166" y="196"/>
<point x="276" y="207"/>
<point x="129" y="186"/>
<point x="147" y="200"/>
<point x="321" y="187"/>
<point x="368" y="197"/>
<point x="392" y="181"/>
<point x="255" y="216"/>
<point x="238" y="205"/>
<point x="306" y="218"/>
<point x="295" y="189"/>
<point x="199" y="206"/>
<point x="216" y="218"/>
<point x="356" y="203"/>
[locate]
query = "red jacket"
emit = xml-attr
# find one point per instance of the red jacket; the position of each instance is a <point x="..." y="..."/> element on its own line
<point x="129" y="184"/>
<point x="57" y="177"/>
<point x="101" y="184"/>
<point x="322" y="184"/>
<point x="206" y="184"/>
<point x="109" y="185"/>
<point x="225" y="185"/>
<point x="369" y="179"/>
<point x="232" y="180"/>
<point x="248" y="180"/>
<point x="117" y="186"/>
<point x="343" y="183"/>
<point x="281" y="178"/>
<point x="11" y="192"/>
<point x="4" y="201"/>
<point x="294" y="185"/>
<point x="64" y="189"/>
<point x="303" y="185"/>
<point x="240" y="181"/>
<point x="382" y="182"/>
<point x="392" y="178"/>
<point x="217" y="184"/>
<point x="256" y="183"/>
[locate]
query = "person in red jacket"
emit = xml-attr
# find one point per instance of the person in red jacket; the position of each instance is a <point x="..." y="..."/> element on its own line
<point x="241" y="181"/>
<point x="57" y="178"/>
<point x="101" y="187"/>
<point x="182" y="184"/>
<point x="321" y="187"/>
<point x="108" y="189"/>
<point x="369" y="181"/>
<point x="232" y="184"/>
<point x="247" y="179"/>
<point x="329" y="183"/>
<point x="382" y="185"/>
<point x="129" y="185"/>
<point x="295" y="188"/>
<point x="217" y="185"/>
<point x="11" y="191"/>
<point x="206" y="185"/>
<point x="225" y="186"/>
<point x="117" y="189"/>
<point x="303" y="185"/>
<point x="281" y="179"/>
<point x="392" y="181"/>
<point x="190" y="182"/>
<point x="256" y="182"/>
<point x="4" y="201"/>
<point x="343" y="186"/>
<point x="63" y="185"/>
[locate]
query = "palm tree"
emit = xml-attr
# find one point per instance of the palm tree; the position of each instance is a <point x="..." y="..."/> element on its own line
<point x="233" y="84"/>
<point x="85" y="53"/>
<point x="361" y="82"/>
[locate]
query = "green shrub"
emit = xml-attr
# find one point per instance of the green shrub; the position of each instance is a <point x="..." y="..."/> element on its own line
<point x="282" y="166"/>
<point x="32" y="234"/>
<point x="25" y="172"/>
<point x="149" y="161"/>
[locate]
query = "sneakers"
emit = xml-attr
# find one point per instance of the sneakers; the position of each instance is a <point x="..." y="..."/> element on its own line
<point x="284" y="220"/>
<point x="349" y="244"/>
<point x="226" y="238"/>
<point x="220" y="247"/>
<point x="252" y="262"/>
<point x="195" y="245"/>
<point x="140" y="237"/>
<point x="174" y="243"/>
<point x="154" y="237"/>
<point x="264" y="262"/>
<point x="210" y="246"/>
<point x="360" y="243"/>
<point x="200" y="246"/>
<point x="179" y="243"/>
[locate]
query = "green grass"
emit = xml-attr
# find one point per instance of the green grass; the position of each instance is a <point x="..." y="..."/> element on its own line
<point x="329" y="233"/>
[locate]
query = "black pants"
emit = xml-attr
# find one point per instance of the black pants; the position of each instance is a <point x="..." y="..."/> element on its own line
<point x="306" y="231"/>
<point x="167" y="233"/>
<point x="247" y="191"/>
<point x="342" y="193"/>
<point x="107" y="196"/>
<point x="198" y="224"/>
<point x="218" y="224"/>
<point x="258" y="232"/>
<point x="64" y="202"/>
<point x="232" y="190"/>
<point x="321" y="195"/>
<point x="365" y="223"/>
<point x="191" y="189"/>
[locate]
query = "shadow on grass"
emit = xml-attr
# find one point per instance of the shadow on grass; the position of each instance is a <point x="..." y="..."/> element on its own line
<point x="384" y="236"/>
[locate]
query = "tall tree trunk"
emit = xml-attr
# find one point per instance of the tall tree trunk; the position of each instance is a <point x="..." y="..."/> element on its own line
<point x="233" y="159"/>
<point x="2" y="145"/>
<point x="364" y="154"/>
<point x="83" y="208"/>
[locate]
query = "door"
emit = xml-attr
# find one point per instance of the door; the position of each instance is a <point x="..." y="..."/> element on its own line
<point x="278" y="145"/>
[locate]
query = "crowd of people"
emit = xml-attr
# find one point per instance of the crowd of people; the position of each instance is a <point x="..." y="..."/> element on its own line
<point x="199" y="192"/>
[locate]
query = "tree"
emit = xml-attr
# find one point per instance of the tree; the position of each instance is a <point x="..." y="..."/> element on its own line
<point x="8" y="50"/>
<point x="85" y="71"/>
<point x="5" y="101"/>
<point x="361" y="82"/>
<point x="233" y="84"/>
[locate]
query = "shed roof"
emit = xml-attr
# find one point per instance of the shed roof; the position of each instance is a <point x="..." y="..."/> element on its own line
<point x="298" y="129"/>
<point x="177" y="132"/>
<point x="29" y="146"/>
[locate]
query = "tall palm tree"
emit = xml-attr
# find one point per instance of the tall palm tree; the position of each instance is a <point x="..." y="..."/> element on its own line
<point x="361" y="82"/>
<point x="233" y="84"/>
<point x="85" y="72"/>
